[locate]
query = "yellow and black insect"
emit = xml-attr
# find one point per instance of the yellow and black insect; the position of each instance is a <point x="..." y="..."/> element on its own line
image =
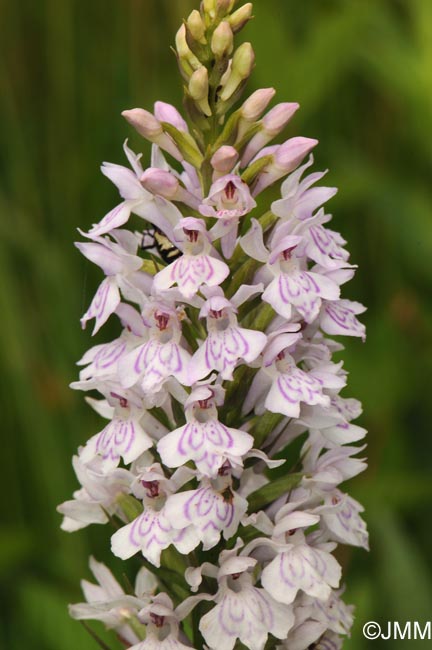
<point x="160" y="242"/>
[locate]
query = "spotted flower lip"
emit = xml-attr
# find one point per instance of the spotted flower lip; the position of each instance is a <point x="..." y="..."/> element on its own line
<point x="225" y="300"/>
<point x="123" y="437"/>
<point x="197" y="266"/>
<point x="203" y="439"/>
<point x="151" y="533"/>
<point x="249" y="614"/>
<point x="209" y="510"/>
<point x="304" y="568"/>
<point x="227" y="343"/>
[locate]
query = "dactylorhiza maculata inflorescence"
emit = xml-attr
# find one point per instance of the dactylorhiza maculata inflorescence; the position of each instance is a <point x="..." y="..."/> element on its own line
<point x="227" y="438"/>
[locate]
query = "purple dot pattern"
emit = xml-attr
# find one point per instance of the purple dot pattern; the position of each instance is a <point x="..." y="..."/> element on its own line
<point x="329" y="243"/>
<point x="208" y="444"/>
<point x="340" y="319"/>
<point x="171" y="385"/>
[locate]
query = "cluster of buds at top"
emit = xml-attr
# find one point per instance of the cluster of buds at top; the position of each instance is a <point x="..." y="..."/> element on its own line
<point x="214" y="72"/>
<point x="223" y="362"/>
<point x="205" y="51"/>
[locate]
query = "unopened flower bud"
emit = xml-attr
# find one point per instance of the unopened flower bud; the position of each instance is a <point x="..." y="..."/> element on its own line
<point x="198" y="84"/>
<point x="251" y="111"/>
<point x="144" y="122"/>
<point x="285" y="158"/>
<point x="256" y="104"/>
<point x="242" y="64"/>
<point x="271" y="125"/>
<point x="150" y="128"/>
<point x="239" y="18"/>
<point x="278" y="117"/>
<point x="209" y="8"/>
<point x="167" y="113"/>
<point x="222" y="42"/>
<point x="183" y="48"/>
<point x="196" y="26"/>
<point x="163" y="183"/>
<point x="243" y="60"/>
<point x="223" y="7"/>
<point x="224" y="160"/>
<point x="199" y="89"/>
<point x="187" y="58"/>
<point x="291" y="153"/>
<point x="226" y="74"/>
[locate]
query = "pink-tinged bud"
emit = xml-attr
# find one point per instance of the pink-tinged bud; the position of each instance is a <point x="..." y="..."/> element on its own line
<point x="165" y="184"/>
<point x="291" y="153"/>
<point x="239" y="18"/>
<point x="199" y="89"/>
<point x="150" y="128"/>
<point x="222" y="42"/>
<point x="242" y="64"/>
<point x="223" y="7"/>
<point x="161" y="182"/>
<point x="256" y="104"/>
<point x="278" y="117"/>
<point x="272" y="124"/>
<point x="196" y="26"/>
<point x="166" y="113"/>
<point x="286" y="157"/>
<point x="144" y="122"/>
<point x="224" y="160"/>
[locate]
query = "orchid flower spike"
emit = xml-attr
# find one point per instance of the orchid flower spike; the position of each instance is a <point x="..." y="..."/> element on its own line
<point x="225" y="302"/>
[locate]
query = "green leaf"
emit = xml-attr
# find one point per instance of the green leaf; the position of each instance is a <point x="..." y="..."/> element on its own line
<point x="275" y="489"/>
<point x="187" y="145"/>
<point x="178" y="412"/>
<point x="243" y="276"/>
<point x="258" y="318"/>
<point x="229" y="131"/>
<point x="131" y="507"/>
<point x="263" y="425"/>
<point x="250" y="174"/>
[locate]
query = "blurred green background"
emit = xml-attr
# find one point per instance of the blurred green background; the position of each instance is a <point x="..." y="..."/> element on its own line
<point x="362" y="71"/>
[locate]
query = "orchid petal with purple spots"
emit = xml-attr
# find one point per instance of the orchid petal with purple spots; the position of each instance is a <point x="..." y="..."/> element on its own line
<point x="151" y="533"/>
<point x="190" y="272"/>
<point x="304" y="568"/>
<point x="302" y="289"/>
<point x="104" y="303"/>
<point x="121" y="438"/>
<point x="249" y="615"/>
<point x="339" y="318"/>
<point x="153" y="363"/>
<point x="209" y="511"/>
<point x="209" y="444"/>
